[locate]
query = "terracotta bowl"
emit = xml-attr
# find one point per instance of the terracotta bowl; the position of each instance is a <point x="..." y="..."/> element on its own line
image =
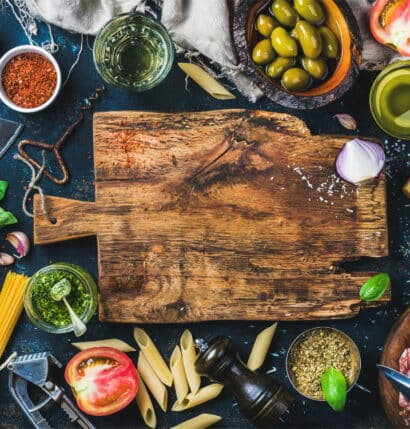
<point x="340" y="20"/>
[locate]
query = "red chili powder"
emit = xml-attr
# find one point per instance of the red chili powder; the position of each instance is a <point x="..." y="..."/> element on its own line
<point x="29" y="80"/>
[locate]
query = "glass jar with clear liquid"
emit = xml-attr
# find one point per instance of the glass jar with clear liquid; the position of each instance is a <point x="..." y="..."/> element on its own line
<point x="133" y="52"/>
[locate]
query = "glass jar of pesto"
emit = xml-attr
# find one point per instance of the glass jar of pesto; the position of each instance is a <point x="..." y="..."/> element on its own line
<point x="52" y="316"/>
<point x="390" y="100"/>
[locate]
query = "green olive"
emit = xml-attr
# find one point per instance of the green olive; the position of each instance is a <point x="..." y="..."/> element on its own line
<point x="309" y="39"/>
<point x="311" y="10"/>
<point x="279" y="65"/>
<point x="284" y="45"/>
<point x="329" y="41"/>
<point x="265" y="24"/>
<point x="295" y="79"/>
<point x="263" y="52"/>
<point x="284" y="13"/>
<point x="317" y="67"/>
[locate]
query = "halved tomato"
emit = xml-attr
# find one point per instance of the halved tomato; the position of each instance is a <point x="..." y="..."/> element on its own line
<point x="103" y="380"/>
<point x="390" y="24"/>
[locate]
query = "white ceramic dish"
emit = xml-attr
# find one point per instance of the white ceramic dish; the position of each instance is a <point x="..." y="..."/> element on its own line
<point x="21" y="50"/>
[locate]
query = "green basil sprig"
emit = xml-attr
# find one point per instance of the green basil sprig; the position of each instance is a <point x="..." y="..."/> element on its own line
<point x="334" y="388"/>
<point x="3" y="188"/>
<point x="375" y="287"/>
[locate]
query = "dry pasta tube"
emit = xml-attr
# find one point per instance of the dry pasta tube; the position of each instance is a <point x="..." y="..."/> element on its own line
<point x="203" y="395"/>
<point x="111" y="342"/>
<point x="199" y="422"/>
<point x="153" y="356"/>
<point x="261" y="346"/>
<point x="188" y="357"/>
<point x="206" y="81"/>
<point x="153" y="383"/>
<point x="145" y="406"/>
<point x="178" y="374"/>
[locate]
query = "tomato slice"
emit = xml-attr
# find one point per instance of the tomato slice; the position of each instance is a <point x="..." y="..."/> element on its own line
<point x="103" y="380"/>
<point x="390" y="24"/>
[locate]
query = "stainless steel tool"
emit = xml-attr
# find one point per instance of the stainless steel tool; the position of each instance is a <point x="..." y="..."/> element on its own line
<point x="36" y="369"/>
<point x="9" y="131"/>
<point x="400" y="381"/>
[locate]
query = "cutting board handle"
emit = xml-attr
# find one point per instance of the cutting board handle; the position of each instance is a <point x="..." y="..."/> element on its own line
<point x="65" y="219"/>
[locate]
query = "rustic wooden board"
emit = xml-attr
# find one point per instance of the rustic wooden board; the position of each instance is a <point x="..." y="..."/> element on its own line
<point x="217" y="215"/>
<point x="397" y="341"/>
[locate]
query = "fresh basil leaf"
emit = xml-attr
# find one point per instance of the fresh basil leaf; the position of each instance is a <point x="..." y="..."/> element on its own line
<point x="3" y="188"/>
<point x="6" y="218"/>
<point x="334" y="388"/>
<point x="375" y="287"/>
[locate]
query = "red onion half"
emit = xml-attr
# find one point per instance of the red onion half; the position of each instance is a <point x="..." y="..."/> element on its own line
<point x="359" y="161"/>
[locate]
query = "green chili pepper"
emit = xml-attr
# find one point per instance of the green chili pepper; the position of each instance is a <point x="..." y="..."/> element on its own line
<point x="6" y="218"/>
<point x="3" y="188"/>
<point x="375" y="287"/>
<point x="334" y="388"/>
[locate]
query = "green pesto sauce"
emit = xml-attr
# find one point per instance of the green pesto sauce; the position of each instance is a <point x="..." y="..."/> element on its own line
<point x="55" y="312"/>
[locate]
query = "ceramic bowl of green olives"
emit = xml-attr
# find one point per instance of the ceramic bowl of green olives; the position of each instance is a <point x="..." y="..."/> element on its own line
<point x="303" y="54"/>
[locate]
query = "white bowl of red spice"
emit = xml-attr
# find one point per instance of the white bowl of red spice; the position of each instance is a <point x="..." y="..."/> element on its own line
<point x="30" y="79"/>
<point x="313" y="352"/>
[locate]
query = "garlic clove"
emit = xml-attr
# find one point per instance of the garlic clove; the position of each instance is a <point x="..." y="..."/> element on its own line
<point x="20" y="241"/>
<point x="360" y="161"/>
<point x="347" y="121"/>
<point x="6" y="259"/>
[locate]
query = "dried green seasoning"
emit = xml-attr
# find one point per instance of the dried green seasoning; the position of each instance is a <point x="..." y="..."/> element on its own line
<point x="313" y="354"/>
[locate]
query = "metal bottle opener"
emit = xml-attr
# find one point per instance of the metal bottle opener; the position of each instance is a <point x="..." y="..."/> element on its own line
<point x="35" y="369"/>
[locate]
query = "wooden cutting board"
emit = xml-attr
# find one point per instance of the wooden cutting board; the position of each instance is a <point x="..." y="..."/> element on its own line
<point x="218" y="215"/>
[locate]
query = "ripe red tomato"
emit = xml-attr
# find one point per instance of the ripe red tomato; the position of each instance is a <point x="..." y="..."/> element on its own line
<point x="390" y="24"/>
<point x="103" y="380"/>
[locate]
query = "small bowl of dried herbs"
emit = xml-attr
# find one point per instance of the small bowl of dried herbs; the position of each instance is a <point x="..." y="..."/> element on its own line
<point x="322" y="359"/>
<point x="30" y="79"/>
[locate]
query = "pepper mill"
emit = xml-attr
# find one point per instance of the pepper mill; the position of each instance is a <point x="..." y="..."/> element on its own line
<point x="260" y="398"/>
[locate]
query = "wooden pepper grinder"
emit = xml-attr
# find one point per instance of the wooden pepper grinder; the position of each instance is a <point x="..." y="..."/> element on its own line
<point x="261" y="399"/>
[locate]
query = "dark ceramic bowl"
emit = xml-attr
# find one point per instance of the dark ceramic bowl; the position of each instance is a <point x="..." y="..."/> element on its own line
<point x="339" y="19"/>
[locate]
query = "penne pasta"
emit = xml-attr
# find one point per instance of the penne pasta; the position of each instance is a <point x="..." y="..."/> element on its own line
<point x="178" y="374"/>
<point x="206" y="81"/>
<point x="152" y="354"/>
<point x="145" y="406"/>
<point x="152" y="381"/>
<point x="188" y="357"/>
<point x="261" y="346"/>
<point x="202" y="421"/>
<point x="111" y="342"/>
<point x="203" y="395"/>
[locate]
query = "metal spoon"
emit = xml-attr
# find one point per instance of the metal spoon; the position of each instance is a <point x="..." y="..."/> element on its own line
<point x="58" y="292"/>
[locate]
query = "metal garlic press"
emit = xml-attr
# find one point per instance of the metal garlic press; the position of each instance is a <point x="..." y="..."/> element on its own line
<point x="35" y="369"/>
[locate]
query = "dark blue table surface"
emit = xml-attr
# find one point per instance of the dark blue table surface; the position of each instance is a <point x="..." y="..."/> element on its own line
<point x="369" y="329"/>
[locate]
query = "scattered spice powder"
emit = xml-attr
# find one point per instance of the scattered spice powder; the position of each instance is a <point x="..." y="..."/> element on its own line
<point x="313" y="353"/>
<point x="29" y="80"/>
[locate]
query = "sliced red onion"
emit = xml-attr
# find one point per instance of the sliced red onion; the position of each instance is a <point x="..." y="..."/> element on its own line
<point x="359" y="161"/>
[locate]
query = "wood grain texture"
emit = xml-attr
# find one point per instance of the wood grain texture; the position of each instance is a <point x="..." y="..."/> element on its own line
<point x="397" y="341"/>
<point x="217" y="215"/>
